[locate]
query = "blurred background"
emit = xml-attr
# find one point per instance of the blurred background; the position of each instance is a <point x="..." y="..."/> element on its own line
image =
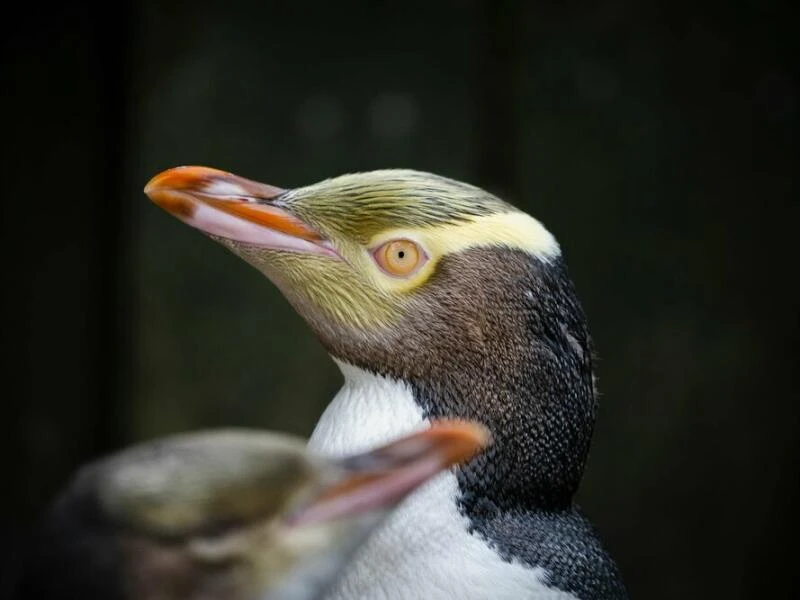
<point x="658" y="141"/>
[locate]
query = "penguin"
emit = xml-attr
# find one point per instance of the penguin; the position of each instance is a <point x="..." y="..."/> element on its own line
<point x="229" y="514"/>
<point x="436" y="299"/>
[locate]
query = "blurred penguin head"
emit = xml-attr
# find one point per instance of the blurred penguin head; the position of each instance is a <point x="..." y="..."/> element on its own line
<point x="229" y="514"/>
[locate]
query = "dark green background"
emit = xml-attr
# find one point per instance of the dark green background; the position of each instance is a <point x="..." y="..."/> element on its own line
<point x="657" y="141"/>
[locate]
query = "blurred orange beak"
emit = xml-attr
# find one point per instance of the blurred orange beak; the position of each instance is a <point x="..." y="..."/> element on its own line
<point x="225" y="205"/>
<point x="381" y="478"/>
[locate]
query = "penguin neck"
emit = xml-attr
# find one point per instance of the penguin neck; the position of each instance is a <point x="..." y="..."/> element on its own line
<point x="371" y="408"/>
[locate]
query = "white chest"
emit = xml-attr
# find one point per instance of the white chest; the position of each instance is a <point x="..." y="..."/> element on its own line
<point x="423" y="549"/>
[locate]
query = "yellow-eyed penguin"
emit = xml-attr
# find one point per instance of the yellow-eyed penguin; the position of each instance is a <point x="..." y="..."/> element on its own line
<point x="436" y="299"/>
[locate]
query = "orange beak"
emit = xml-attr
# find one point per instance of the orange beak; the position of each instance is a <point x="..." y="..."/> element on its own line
<point x="381" y="478"/>
<point x="227" y="206"/>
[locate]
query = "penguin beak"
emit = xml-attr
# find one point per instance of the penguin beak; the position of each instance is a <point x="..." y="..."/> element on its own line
<point x="227" y="206"/>
<point x="381" y="478"/>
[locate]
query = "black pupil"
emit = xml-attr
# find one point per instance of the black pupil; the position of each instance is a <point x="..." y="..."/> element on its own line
<point x="401" y="254"/>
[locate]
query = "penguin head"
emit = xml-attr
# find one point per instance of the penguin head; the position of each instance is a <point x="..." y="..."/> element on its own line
<point x="227" y="514"/>
<point x="363" y="256"/>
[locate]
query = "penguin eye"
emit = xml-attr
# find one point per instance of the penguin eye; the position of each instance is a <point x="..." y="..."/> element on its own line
<point x="400" y="258"/>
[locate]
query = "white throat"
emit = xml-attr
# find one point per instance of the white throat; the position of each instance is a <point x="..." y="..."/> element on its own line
<point x="368" y="411"/>
<point x="423" y="550"/>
